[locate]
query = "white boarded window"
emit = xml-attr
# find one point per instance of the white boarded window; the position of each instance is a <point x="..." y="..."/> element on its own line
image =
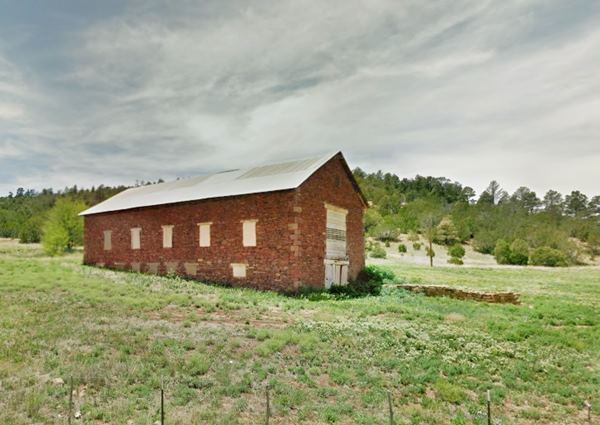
<point x="135" y="237"/>
<point x="107" y="240"/>
<point x="204" y="237"/>
<point x="335" y="245"/>
<point x="167" y="236"/>
<point x="249" y="232"/>
<point x="239" y="270"/>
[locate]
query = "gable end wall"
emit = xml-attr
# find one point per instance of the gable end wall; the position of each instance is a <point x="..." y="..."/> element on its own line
<point x="311" y="219"/>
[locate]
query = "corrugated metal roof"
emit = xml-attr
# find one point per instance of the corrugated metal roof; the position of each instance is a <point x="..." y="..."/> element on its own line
<point x="267" y="178"/>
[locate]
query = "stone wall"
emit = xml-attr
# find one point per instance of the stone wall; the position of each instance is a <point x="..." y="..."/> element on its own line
<point x="461" y="294"/>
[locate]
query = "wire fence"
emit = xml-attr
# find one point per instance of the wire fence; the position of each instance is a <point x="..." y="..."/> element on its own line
<point x="73" y="416"/>
<point x="268" y="413"/>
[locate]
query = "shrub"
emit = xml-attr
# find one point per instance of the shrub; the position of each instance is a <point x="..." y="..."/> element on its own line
<point x="456" y="251"/>
<point x="417" y="246"/>
<point x="377" y="273"/>
<point x="546" y="256"/>
<point x="455" y="260"/>
<point x="377" y="251"/>
<point x="198" y="365"/>
<point x="56" y="240"/>
<point x="402" y="248"/>
<point x="519" y="252"/>
<point x="502" y="252"/>
<point x="413" y="236"/>
<point x="369" y="282"/>
<point x="387" y="244"/>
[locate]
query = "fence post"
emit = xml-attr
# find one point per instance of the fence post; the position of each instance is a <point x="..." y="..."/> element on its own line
<point x="162" y="405"/>
<point x="390" y="408"/>
<point x="268" y="412"/>
<point x="588" y="406"/>
<point x="70" y="400"/>
<point x="489" y="408"/>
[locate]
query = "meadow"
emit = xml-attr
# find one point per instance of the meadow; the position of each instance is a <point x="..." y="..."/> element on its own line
<point x="121" y="335"/>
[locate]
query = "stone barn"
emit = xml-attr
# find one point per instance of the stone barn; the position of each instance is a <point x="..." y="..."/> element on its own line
<point x="280" y="226"/>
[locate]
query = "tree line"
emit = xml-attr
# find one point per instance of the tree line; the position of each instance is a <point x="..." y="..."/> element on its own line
<point x="518" y="228"/>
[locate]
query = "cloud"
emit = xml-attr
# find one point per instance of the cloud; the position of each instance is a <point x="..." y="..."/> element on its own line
<point x="472" y="90"/>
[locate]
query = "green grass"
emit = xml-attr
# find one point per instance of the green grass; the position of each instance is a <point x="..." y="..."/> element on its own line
<point x="119" y="335"/>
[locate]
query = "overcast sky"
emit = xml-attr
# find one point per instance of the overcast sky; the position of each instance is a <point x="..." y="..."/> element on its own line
<point x="112" y="92"/>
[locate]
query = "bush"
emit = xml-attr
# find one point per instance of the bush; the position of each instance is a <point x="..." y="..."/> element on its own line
<point x="417" y="246"/>
<point x="413" y="236"/>
<point x="502" y="252"/>
<point x="387" y="244"/>
<point x="519" y="252"/>
<point x="456" y="251"/>
<point x="377" y="273"/>
<point x="56" y="240"/>
<point x="402" y="248"/>
<point x="377" y="251"/>
<point x="369" y="282"/>
<point x="549" y="257"/>
<point x="455" y="260"/>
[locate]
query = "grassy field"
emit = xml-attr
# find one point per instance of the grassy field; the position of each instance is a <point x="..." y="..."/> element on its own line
<point x="330" y="361"/>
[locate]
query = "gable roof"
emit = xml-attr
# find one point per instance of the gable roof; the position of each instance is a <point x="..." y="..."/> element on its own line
<point x="266" y="178"/>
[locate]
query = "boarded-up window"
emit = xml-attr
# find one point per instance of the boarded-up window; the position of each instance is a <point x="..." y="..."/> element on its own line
<point x="135" y="237"/>
<point x="249" y="232"/>
<point x="336" y="273"/>
<point x="239" y="270"/>
<point x="167" y="236"/>
<point x="336" y="232"/>
<point x="204" y="230"/>
<point x="107" y="240"/>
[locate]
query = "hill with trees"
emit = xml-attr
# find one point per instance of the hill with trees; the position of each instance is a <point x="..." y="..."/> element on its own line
<point x="23" y="214"/>
<point x="518" y="228"/>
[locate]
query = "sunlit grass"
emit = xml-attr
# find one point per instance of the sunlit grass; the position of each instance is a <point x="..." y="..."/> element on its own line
<point x="119" y="335"/>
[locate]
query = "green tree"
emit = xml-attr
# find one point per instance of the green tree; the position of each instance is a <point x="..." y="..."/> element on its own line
<point x="31" y="230"/>
<point x="371" y="219"/>
<point x="553" y="202"/>
<point x="64" y="228"/>
<point x="594" y="205"/>
<point x="429" y="223"/>
<point x="526" y="199"/>
<point x="446" y="232"/>
<point x="576" y="204"/>
<point x="493" y="194"/>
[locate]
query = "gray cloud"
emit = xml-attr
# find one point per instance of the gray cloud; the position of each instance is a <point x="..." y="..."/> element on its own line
<point x="472" y="90"/>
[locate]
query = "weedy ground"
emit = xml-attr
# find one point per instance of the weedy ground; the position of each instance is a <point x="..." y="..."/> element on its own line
<point x="120" y="335"/>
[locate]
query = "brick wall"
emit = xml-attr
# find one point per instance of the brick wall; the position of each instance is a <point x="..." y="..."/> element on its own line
<point x="329" y="184"/>
<point x="290" y="235"/>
